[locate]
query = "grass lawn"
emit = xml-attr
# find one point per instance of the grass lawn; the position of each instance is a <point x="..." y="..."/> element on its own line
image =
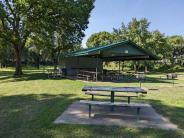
<point x="29" y="105"/>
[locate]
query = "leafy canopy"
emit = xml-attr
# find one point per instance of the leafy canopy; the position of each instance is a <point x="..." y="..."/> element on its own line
<point x="100" y="39"/>
<point x="54" y="21"/>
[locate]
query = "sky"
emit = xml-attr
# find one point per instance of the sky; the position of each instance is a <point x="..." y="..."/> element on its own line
<point x="164" y="15"/>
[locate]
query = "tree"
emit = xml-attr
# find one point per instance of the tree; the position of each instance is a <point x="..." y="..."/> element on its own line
<point x="22" y="18"/>
<point x="158" y="44"/>
<point x="35" y="50"/>
<point x="136" y="31"/>
<point x="67" y="31"/>
<point x="18" y="19"/>
<point x="176" y="43"/>
<point x="100" y="39"/>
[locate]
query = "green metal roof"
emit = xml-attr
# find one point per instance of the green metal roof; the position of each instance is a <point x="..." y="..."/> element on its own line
<point x="125" y="50"/>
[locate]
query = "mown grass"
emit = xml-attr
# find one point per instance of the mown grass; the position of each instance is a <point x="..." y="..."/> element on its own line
<point x="29" y="105"/>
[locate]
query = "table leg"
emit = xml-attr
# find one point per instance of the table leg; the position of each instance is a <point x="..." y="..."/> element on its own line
<point x="138" y="113"/>
<point x="89" y="110"/>
<point x="128" y="99"/>
<point x="92" y="98"/>
<point x="112" y="100"/>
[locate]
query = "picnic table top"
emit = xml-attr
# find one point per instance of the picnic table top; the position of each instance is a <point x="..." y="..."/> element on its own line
<point x="92" y="72"/>
<point x="114" y="89"/>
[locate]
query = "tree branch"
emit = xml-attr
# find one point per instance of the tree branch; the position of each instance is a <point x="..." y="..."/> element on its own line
<point x="9" y="7"/>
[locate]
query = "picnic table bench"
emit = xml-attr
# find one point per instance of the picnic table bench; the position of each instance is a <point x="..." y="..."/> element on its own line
<point x="86" y="75"/>
<point x="54" y="73"/>
<point x="171" y="75"/>
<point x="120" y="104"/>
<point x="83" y="76"/>
<point x="94" y="93"/>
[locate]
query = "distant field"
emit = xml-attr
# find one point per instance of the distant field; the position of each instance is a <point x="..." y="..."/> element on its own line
<point x="29" y="105"/>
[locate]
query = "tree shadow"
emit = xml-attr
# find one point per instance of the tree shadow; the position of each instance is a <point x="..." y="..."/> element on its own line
<point x="7" y="76"/>
<point x="174" y="113"/>
<point x="158" y="80"/>
<point x="115" y="131"/>
<point x="28" y="77"/>
<point x="146" y="80"/>
<point x="31" y="115"/>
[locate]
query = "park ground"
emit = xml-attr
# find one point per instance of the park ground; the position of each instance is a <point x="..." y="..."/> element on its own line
<point x="29" y="105"/>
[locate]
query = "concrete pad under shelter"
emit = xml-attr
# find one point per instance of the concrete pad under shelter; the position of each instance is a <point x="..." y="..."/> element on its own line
<point x="77" y="113"/>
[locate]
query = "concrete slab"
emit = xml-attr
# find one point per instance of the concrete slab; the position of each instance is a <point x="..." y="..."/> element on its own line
<point x="77" y="113"/>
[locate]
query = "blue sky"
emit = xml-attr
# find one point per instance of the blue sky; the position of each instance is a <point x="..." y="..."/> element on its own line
<point x="164" y="15"/>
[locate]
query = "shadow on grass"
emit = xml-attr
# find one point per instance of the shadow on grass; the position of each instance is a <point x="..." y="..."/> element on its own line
<point x="158" y="80"/>
<point x="33" y="115"/>
<point x="94" y="131"/>
<point x="27" y="77"/>
<point x="175" y="114"/>
<point x="6" y="73"/>
<point x="147" y="80"/>
<point x="7" y="76"/>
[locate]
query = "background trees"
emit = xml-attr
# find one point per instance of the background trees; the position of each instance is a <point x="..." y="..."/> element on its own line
<point x="18" y="20"/>
<point x="38" y="31"/>
<point x="22" y="19"/>
<point x="136" y="31"/>
<point x="177" y="49"/>
<point x="169" y="49"/>
<point x="100" y="39"/>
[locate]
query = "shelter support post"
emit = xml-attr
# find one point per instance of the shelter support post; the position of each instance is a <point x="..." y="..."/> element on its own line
<point x="96" y="74"/>
<point x="135" y="68"/>
<point x="140" y="83"/>
<point x="97" y="69"/>
<point x="119" y="70"/>
<point x="145" y="66"/>
<point x="102" y="73"/>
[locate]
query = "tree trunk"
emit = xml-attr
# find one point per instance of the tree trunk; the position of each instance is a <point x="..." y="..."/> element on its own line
<point x="18" y="66"/>
<point x="55" y="59"/>
<point x="145" y="69"/>
<point x="38" y="62"/>
<point x="55" y="63"/>
<point x="135" y="68"/>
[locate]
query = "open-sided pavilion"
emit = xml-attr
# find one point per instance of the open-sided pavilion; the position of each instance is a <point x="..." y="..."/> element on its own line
<point x="91" y="59"/>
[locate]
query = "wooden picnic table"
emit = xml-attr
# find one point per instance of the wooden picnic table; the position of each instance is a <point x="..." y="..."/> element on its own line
<point x="84" y="74"/>
<point x="53" y="73"/>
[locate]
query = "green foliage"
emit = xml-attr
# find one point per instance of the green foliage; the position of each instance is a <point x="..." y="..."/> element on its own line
<point x="136" y="31"/>
<point x="100" y="39"/>
<point x="176" y="44"/>
<point x="67" y="30"/>
<point x="168" y="49"/>
<point x="6" y="53"/>
<point x="18" y="20"/>
<point x="157" y="43"/>
<point x="59" y="23"/>
<point x="176" y="40"/>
